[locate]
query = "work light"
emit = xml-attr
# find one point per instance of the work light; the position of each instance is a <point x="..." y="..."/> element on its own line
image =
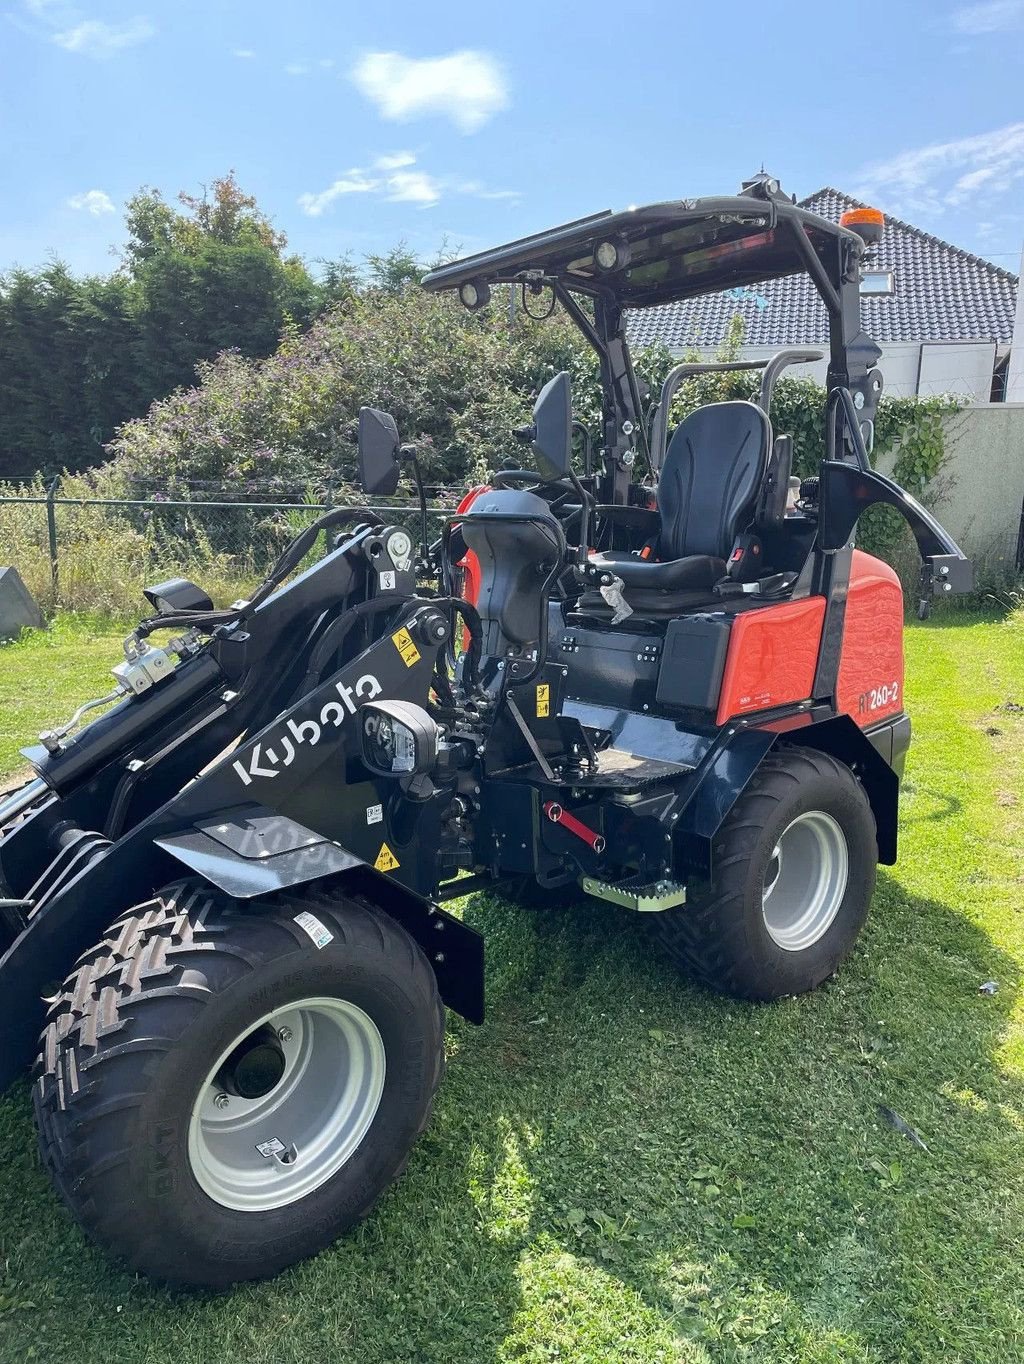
<point x="474" y="295"/>
<point x="609" y="256"/>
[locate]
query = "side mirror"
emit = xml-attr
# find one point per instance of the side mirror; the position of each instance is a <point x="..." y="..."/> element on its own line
<point x="378" y="451"/>
<point x="552" y="428"/>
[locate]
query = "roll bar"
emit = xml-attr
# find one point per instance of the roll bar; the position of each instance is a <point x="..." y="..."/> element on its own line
<point x="773" y="367"/>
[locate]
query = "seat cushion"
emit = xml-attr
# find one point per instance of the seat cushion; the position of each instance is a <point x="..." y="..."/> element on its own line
<point x="695" y="572"/>
<point x="647" y="605"/>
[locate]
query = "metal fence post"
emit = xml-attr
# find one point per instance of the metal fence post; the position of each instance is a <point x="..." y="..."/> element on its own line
<point x="51" y="529"/>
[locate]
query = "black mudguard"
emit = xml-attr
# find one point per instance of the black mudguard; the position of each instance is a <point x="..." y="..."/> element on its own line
<point x="729" y="764"/>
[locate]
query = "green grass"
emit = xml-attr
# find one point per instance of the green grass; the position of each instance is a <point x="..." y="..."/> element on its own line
<point x="623" y="1167"/>
<point x="45" y="675"/>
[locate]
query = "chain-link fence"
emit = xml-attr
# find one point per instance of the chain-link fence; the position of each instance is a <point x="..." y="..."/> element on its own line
<point x="97" y="553"/>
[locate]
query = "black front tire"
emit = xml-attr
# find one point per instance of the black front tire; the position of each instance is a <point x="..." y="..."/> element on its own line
<point x="721" y="935"/>
<point x="136" y="1029"/>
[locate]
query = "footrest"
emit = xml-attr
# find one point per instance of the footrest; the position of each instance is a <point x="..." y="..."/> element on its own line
<point x="646" y="897"/>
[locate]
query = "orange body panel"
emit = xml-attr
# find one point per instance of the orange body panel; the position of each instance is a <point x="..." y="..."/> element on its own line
<point x="469" y="562"/>
<point x="870" y="686"/>
<point x="773" y="653"/>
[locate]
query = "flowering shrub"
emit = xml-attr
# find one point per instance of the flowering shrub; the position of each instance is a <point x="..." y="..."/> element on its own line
<point x="456" y="382"/>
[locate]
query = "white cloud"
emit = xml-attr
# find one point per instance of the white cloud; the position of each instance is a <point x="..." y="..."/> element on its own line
<point x="95" y="38"/>
<point x="466" y="87"/>
<point x="392" y="179"/>
<point x="355" y="182"/>
<point x="395" y="161"/>
<point x="413" y="187"/>
<point x="991" y="16"/>
<point x="94" y="201"/>
<point x="244" y="53"/>
<point x="945" y="174"/>
<point x="480" y="191"/>
<point x="296" y="69"/>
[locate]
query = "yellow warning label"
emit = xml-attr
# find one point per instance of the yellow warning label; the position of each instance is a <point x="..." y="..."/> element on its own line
<point x="543" y="700"/>
<point x="386" y="859"/>
<point x="402" y="641"/>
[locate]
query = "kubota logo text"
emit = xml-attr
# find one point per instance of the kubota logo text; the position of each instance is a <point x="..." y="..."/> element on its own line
<point x="267" y="762"/>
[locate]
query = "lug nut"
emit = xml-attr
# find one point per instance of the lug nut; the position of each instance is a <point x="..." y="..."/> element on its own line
<point x="221" y="1101"/>
<point x="285" y="1034"/>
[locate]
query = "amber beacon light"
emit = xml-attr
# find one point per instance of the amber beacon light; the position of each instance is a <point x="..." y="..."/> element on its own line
<point x="868" y="223"/>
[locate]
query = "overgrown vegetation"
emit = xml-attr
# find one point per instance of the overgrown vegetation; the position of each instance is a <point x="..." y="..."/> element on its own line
<point x="80" y="356"/>
<point x="284" y="424"/>
<point x="625" y="1168"/>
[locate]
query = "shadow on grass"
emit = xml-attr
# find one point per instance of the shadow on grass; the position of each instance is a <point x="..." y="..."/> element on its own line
<point x="728" y="1165"/>
<point x="623" y="1163"/>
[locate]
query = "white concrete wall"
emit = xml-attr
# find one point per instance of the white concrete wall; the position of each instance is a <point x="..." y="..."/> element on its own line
<point x="964" y="368"/>
<point x="979" y="495"/>
<point x="1015" y="369"/>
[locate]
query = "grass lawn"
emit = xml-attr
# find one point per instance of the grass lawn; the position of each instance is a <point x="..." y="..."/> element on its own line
<point x="623" y="1167"/>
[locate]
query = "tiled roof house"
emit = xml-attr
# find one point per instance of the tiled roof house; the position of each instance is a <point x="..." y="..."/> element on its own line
<point x="943" y="317"/>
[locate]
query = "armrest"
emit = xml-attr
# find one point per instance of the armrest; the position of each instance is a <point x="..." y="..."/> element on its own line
<point x="632" y="518"/>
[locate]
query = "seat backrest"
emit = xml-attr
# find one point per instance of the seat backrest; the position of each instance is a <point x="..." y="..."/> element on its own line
<point x="711" y="477"/>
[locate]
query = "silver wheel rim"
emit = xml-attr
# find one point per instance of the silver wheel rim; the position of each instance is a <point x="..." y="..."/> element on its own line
<point x="262" y="1153"/>
<point x="805" y="881"/>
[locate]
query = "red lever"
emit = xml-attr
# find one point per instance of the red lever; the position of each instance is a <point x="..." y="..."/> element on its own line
<point x="557" y="815"/>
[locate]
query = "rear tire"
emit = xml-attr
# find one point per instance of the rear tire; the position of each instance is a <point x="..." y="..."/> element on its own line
<point x="794" y="872"/>
<point x="150" y="1104"/>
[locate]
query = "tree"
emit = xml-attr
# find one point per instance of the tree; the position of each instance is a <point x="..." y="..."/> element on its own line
<point x="80" y="356"/>
<point x="210" y="279"/>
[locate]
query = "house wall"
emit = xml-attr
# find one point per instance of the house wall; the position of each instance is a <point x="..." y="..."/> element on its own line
<point x="979" y="494"/>
<point x="964" y="368"/>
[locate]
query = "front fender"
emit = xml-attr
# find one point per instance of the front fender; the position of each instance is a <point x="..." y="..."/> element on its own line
<point x="252" y="851"/>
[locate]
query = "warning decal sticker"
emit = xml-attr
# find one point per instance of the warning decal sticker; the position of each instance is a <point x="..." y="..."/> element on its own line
<point x="402" y="640"/>
<point x="543" y="700"/>
<point x="386" y="859"/>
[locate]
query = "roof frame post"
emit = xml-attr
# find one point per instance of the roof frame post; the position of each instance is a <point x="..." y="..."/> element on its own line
<point x="622" y="421"/>
<point x="853" y="356"/>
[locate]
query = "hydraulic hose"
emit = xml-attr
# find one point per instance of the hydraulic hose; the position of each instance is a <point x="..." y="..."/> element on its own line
<point x="337" y="632"/>
<point x="293" y="555"/>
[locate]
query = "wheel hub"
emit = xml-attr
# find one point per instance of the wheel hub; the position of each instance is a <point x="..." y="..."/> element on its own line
<point x="255" y="1067"/>
<point x="805" y="881"/>
<point x="287" y="1104"/>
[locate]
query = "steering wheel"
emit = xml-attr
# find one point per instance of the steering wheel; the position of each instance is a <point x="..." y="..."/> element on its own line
<point x="556" y="492"/>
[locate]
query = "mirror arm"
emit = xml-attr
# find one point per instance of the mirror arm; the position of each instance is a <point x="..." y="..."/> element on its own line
<point x="585" y="498"/>
<point x="588" y="448"/>
<point x="408" y="452"/>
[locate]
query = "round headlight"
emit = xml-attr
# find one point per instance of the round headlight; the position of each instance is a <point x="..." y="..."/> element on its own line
<point x="474" y="295"/>
<point x="606" y="256"/>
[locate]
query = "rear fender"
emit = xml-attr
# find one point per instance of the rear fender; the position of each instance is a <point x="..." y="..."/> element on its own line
<point x="845" y="741"/>
<point x="717" y="783"/>
<point x="728" y="767"/>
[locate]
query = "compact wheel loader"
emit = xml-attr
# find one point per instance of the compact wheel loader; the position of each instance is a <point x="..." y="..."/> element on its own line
<point x="669" y="680"/>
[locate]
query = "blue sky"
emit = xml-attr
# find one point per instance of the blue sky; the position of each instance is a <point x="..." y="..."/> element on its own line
<point x="357" y="125"/>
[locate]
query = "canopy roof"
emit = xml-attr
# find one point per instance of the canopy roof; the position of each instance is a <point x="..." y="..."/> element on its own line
<point x="676" y="250"/>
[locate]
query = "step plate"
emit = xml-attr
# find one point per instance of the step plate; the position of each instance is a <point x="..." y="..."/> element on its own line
<point x="617" y="770"/>
<point x="651" y="897"/>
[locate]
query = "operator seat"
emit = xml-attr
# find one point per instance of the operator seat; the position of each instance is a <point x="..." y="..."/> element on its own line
<point x="708" y="489"/>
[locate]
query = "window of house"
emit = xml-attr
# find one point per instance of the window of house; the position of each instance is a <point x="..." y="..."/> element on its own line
<point x="877" y="282"/>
